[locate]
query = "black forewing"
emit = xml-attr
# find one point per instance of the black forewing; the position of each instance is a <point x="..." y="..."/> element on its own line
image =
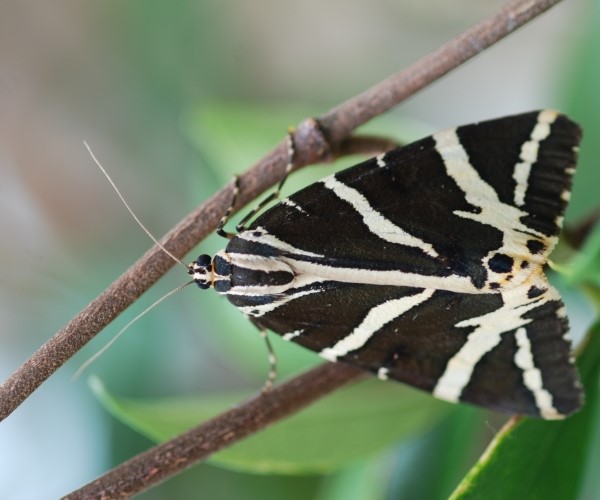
<point x="414" y="191"/>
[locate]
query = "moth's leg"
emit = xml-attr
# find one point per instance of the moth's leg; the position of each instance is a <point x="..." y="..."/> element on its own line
<point x="225" y="218"/>
<point x="272" y="362"/>
<point x="275" y="194"/>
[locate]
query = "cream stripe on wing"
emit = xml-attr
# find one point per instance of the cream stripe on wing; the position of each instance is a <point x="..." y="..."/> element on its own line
<point x="486" y="335"/>
<point x="529" y="154"/>
<point x="479" y="193"/>
<point x="532" y="377"/>
<point x="376" y="318"/>
<point x="377" y="223"/>
<point x="256" y="311"/>
<point x="492" y="212"/>
<point x="260" y="235"/>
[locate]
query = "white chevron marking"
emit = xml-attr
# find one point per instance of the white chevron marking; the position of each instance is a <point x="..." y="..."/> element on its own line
<point x="377" y="223"/>
<point x="376" y="318"/>
<point x="529" y="154"/>
<point x="532" y="377"/>
<point x="487" y="334"/>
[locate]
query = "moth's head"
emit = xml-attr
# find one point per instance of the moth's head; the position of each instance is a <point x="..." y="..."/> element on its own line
<point x="202" y="271"/>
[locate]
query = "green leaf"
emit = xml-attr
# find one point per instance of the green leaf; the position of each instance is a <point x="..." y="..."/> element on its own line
<point x="366" y="479"/>
<point x="537" y="459"/>
<point x="350" y="424"/>
<point x="585" y="266"/>
<point x="583" y="269"/>
<point x="582" y="99"/>
<point x="446" y="454"/>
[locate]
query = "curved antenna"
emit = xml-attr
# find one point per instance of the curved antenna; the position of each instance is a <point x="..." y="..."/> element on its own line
<point x="129" y="208"/>
<point x="84" y="366"/>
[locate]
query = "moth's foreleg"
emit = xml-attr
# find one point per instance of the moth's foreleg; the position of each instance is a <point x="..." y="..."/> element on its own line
<point x="225" y="218"/>
<point x="275" y="194"/>
<point x="272" y="362"/>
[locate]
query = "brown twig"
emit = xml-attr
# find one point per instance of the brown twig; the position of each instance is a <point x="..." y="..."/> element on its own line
<point x="340" y="121"/>
<point x="365" y="145"/>
<point x="315" y="141"/>
<point x="163" y="461"/>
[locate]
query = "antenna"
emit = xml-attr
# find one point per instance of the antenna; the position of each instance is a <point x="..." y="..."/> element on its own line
<point x="129" y="208"/>
<point x="83" y="367"/>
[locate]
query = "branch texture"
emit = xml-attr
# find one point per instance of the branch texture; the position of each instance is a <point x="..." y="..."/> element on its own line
<point x="163" y="461"/>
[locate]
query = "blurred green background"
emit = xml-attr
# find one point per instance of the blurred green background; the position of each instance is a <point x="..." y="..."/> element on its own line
<point x="174" y="97"/>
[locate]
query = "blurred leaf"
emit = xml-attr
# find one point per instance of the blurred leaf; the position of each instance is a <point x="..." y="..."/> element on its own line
<point x="350" y="424"/>
<point x="585" y="266"/>
<point x="364" y="480"/>
<point x="536" y="459"/>
<point x="236" y="134"/>
<point x="583" y="104"/>
<point x="463" y="436"/>
<point x="446" y="454"/>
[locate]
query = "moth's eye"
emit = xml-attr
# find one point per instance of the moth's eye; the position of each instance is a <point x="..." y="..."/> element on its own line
<point x="204" y="260"/>
<point x="203" y="284"/>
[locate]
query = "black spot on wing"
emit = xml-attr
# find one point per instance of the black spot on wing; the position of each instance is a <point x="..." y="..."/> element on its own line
<point x="501" y="263"/>
<point x="535" y="246"/>
<point x="535" y="291"/>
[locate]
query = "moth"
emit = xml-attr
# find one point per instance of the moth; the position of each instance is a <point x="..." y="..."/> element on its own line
<point x="425" y="265"/>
